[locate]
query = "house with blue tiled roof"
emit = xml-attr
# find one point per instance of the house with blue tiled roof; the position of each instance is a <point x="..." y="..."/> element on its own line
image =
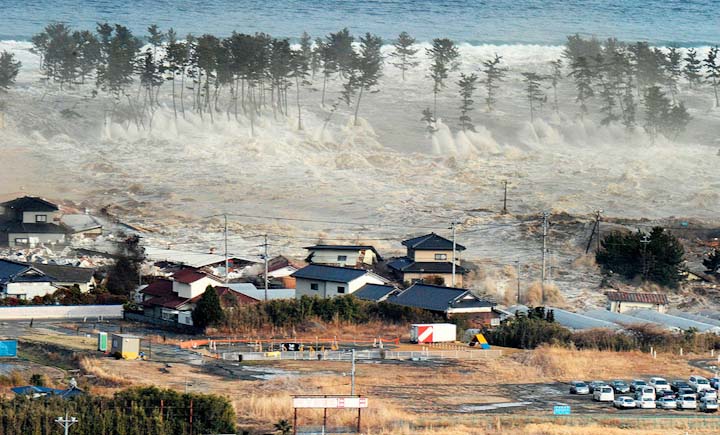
<point x="330" y="281"/>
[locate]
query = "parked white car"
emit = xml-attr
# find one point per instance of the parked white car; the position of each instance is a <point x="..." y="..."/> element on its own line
<point x="604" y="394"/>
<point x="708" y="405"/>
<point x="666" y="402"/>
<point x="699" y="383"/>
<point x="645" y="403"/>
<point x="646" y="392"/>
<point x="707" y="394"/>
<point x="622" y="402"/>
<point x="660" y="384"/>
<point x="686" y="401"/>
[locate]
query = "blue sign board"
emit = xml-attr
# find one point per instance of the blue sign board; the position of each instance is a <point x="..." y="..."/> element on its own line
<point x="561" y="410"/>
<point x="8" y="348"/>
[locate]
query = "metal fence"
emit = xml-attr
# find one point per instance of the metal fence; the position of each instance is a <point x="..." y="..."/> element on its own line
<point x="363" y="355"/>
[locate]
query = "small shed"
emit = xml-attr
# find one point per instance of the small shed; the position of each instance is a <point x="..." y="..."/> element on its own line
<point x="128" y="346"/>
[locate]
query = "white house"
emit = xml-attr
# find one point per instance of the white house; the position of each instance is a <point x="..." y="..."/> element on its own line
<point x="343" y="255"/>
<point x="330" y="281"/>
<point x="188" y="283"/>
<point x="28" y="280"/>
<point x="621" y="302"/>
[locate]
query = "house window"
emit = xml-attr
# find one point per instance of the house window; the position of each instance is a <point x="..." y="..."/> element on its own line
<point x="314" y="286"/>
<point x="441" y="256"/>
<point x="22" y="241"/>
<point x="342" y="258"/>
<point x="41" y="218"/>
<point x="341" y="289"/>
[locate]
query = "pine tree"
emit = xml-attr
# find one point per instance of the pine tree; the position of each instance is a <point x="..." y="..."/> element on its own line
<point x="467" y="85"/>
<point x="404" y="53"/>
<point x="306" y="52"/>
<point x="176" y="58"/>
<point x="494" y="74"/>
<point x="9" y="69"/>
<point x="429" y="119"/>
<point x="533" y="92"/>
<point x="673" y="71"/>
<point x="693" y="68"/>
<point x="88" y="53"/>
<point x="629" y="108"/>
<point x="368" y="66"/>
<point x="444" y="57"/>
<point x="677" y="120"/>
<point x="712" y="74"/>
<point x="555" y="77"/>
<point x="208" y="311"/>
<point x="657" y="109"/>
<point x="301" y="61"/>
<point x="119" y="49"/>
<point x="584" y="76"/>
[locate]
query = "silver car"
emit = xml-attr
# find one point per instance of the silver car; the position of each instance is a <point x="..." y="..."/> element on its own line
<point x="708" y="405"/>
<point x="686" y="401"/>
<point x="667" y="402"/>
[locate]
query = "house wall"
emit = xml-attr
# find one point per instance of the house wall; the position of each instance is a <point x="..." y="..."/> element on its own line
<point x="327" y="256"/>
<point x="329" y="289"/>
<point x="447" y="277"/>
<point x="430" y="255"/>
<point x="29" y="217"/>
<point x="84" y="286"/>
<point x="185" y="318"/>
<point x="622" y="307"/>
<point x="195" y="289"/>
<point x="28" y="289"/>
<point x="35" y="239"/>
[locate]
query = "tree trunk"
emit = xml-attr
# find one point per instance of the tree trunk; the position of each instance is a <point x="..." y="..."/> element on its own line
<point x="173" y="98"/>
<point x="297" y="100"/>
<point x="182" y="93"/>
<point x="357" y="104"/>
<point x="322" y="100"/>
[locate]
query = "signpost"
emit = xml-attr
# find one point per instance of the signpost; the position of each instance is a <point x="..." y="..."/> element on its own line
<point x="328" y="402"/>
<point x="561" y="410"/>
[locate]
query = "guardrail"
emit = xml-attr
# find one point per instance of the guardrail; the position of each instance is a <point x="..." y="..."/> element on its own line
<point x="330" y="355"/>
<point x="38" y="312"/>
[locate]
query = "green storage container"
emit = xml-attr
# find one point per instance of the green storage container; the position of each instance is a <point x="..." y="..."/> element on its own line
<point x="102" y="342"/>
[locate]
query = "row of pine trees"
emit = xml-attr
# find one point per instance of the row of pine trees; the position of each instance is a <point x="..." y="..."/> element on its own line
<point x="136" y="411"/>
<point x="247" y="74"/>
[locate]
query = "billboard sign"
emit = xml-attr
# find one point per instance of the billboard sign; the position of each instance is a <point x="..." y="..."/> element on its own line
<point x="330" y="402"/>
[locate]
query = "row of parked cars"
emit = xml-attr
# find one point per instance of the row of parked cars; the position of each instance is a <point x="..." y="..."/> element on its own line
<point x="695" y="393"/>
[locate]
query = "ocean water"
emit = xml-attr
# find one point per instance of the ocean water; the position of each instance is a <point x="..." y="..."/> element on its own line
<point x="543" y="22"/>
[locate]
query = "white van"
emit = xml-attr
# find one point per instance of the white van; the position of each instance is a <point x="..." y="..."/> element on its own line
<point x="604" y="394"/>
<point x="645" y="392"/>
<point x="699" y="383"/>
<point x="660" y="384"/>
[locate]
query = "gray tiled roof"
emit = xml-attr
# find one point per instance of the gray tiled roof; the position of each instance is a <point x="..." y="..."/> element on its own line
<point x="68" y="274"/>
<point x="431" y="242"/>
<point x="33" y="228"/>
<point x="432" y="267"/>
<point x="14" y="271"/>
<point x="329" y="273"/>
<point x="374" y="292"/>
<point x="30" y="203"/>
<point x="437" y="298"/>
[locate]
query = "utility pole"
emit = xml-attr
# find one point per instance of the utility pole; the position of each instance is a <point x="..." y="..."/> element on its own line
<point x="504" y="209"/>
<point x="452" y="226"/>
<point x="227" y="270"/>
<point x="544" y="247"/>
<point x="66" y="422"/>
<point x="597" y="219"/>
<point x="352" y="373"/>
<point x="645" y="241"/>
<point x="265" y="256"/>
<point x="517" y="262"/>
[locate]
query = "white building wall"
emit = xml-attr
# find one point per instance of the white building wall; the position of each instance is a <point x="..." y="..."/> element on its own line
<point x="623" y="307"/>
<point x="194" y="289"/>
<point x="327" y="256"/>
<point x="329" y="289"/>
<point x="29" y="290"/>
<point x="29" y="217"/>
<point x="35" y="239"/>
<point x="185" y="318"/>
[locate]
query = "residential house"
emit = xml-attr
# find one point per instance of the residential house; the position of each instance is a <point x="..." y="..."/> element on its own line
<point x="29" y="221"/>
<point x="358" y="256"/>
<point x="173" y="300"/>
<point x="28" y="280"/>
<point x="19" y="280"/>
<point x="249" y="290"/>
<point x="375" y="292"/>
<point x="69" y="276"/>
<point x="330" y="281"/>
<point x="621" y="302"/>
<point x="83" y="225"/>
<point x="281" y="268"/>
<point x="35" y="392"/>
<point x="429" y="259"/>
<point x="175" y="259"/>
<point x="448" y="302"/>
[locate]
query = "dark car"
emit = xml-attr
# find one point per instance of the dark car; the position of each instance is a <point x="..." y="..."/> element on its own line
<point x="637" y="383"/>
<point x="620" y="387"/>
<point x="686" y="392"/>
<point x="665" y="393"/>
<point x="596" y="384"/>
<point x="677" y="384"/>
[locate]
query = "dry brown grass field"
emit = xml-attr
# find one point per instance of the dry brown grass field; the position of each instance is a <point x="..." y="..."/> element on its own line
<point x="408" y="398"/>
